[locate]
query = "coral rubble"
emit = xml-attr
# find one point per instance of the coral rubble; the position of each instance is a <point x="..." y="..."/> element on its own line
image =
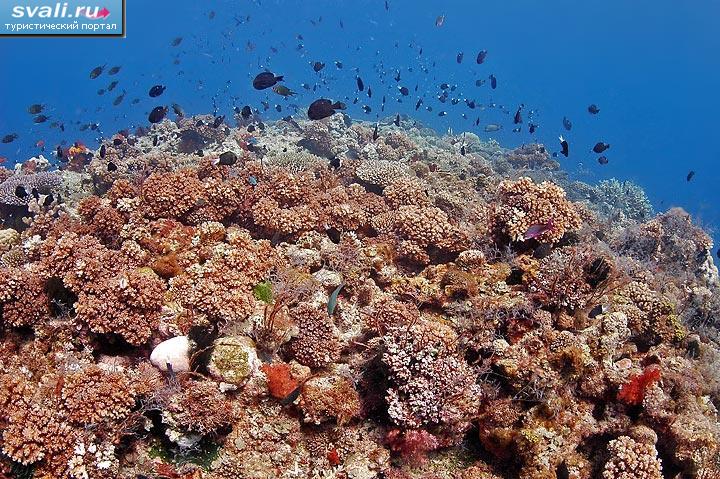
<point x="333" y="305"/>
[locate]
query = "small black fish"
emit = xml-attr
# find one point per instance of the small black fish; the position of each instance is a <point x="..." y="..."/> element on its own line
<point x="155" y="140"/>
<point x="517" y="119"/>
<point x="567" y="124"/>
<point x="603" y="160"/>
<point x="111" y="166"/>
<point x="565" y="148"/>
<point x="156" y="91"/>
<point x="479" y="82"/>
<point x="369" y="92"/>
<point x="177" y="109"/>
<point x="481" y="56"/>
<point x="266" y="80"/>
<point x="101" y="91"/>
<point x="9" y="138"/>
<point x="367" y="109"/>
<point x="21" y="192"/>
<point x="96" y="72"/>
<point x="40" y="119"/>
<point x="459" y="57"/>
<point x="228" y="158"/>
<point x="397" y="120"/>
<point x="335" y="162"/>
<point x="404" y="91"/>
<point x="112" y="85"/>
<point x="397" y="77"/>
<point x="176" y="41"/>
<point x="375" y="132"/>
<point x="444" y="86"/>
<point x="323" y="108"/>
<point x="103" y="151"/>
<point x="117" y="141"/>
<point x="114" y="70"/>
<point x="600" y="147"/>
<point x="250" y="128"/>
<point x="532" y="128"/>
<point x="360" y="84"/>
<point x="418" y="104"/>
<point x="218" y="121"/>
<point x="157" y="114"/>
<point x="119" y="99"/>
<point x="442" y="113"/>
<point x="462" y="150"/>
<point x="199" y="123"/>
<point x="47" y="201"/>
<point x="593" y="109"/>
<point x="317" y="66"/>
<point x="387" y="6"/>
<point x="339" y="65"/>
<point x="35" y="108"/>
<point x="246" y="112"/>
<point x="690" y="175"/>
<point x="493" y="81"/>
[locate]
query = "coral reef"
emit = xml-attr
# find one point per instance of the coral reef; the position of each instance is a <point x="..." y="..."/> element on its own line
<point x="341" y="303"/>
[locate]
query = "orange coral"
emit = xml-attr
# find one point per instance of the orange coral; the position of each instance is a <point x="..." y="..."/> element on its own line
<point x="632" y="393"/>
<point x="280" y="383"/>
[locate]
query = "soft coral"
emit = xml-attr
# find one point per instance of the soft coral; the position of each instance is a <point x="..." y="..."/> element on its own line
<point x="633" y="392"/>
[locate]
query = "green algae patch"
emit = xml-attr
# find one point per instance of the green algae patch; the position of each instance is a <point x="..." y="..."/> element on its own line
<point x="263" y="292"/>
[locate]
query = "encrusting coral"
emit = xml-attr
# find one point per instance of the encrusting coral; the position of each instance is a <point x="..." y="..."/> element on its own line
<point x="412" y="313"/>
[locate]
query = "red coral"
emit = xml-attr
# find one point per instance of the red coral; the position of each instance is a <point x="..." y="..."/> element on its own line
<point x="633" y="392"/>
<point x="280" y="382"/>
<point x="412" y="445"/>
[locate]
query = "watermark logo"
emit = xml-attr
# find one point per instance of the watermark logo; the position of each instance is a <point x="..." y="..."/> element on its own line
<point x="37" y="18"/>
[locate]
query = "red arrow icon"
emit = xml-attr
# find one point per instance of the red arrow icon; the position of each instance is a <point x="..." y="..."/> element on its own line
<point x="104" y="13"/>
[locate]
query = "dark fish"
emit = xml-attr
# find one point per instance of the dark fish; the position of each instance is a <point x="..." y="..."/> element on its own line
<point x="493" y="81"/>
<point x="96" y="72"/>
<point x="156" y="91"/>
<point x="532" y="128"/>
<point x="397" y="120"/>
<point x="112" y="85"/>
<point x="366" y="109"/>
<point x="444" y="86"/>
<point x="211" y="15"/>
<point x="119" y="99"/>
<point x="323" y="108"/>
<point x="335" y="162"/>
<point x="442" y="113"/>
<point x="103" y="151"/>
<point x="47" y="201"/>
<point x="481" y="56"/>
<point x="111" y="166"/>
<point x="228" y="159"/>
<point x="35" y="108"/>
<point x="278" y="108"/>
<point x="101" y="91"/>
<point x="117" y="141"/>
<point x="567" y="124"/>
<point x="40" y="119"/>
<point x="369" y="92"/>
<point x="155" y="140"/>
<point x="360" y="84"/>
<point x="199" y="123"/>
<point x="266" y="80"/>
<point x="459" y="57"/>
<point x="537" y="229"/>
<point x="517" y="119"/>
<point x="375" y="132"/>
<point x="603" y="160"/>
<point x="593" y="109"/>
<point x="690" y="175"/>
<point x="250" y="128"/>
<point x="246" y="112"/>
<point x="418" y="104"/>
<point x="565" y="148"/>
<point x="317" y="66"/>
<point x="440" y="21"/>
<point x="462" y="150"/>
<point x="397" y="77"/>
<point x="114" y="70"/>
<point x="177" y="109"/>
<point x="135" y="101"/>
<point x="21" y="192"/>
<point x="218" y="121"/>
<point x="338" y="64"/>
<point x="9" y="138"/>
<point x="479" y="82"/>
<point x="404" y="91"/>
<point x="176" y="41"/>
<point x="157" y="114"/>
<point x="387" y="6"/>
<point x="600" y="147"/>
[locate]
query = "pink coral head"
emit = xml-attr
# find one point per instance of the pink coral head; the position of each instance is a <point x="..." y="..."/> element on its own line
<point x="539" y="228"/>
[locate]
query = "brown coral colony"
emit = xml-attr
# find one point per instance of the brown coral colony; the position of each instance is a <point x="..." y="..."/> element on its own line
<point x="412" y="311"/>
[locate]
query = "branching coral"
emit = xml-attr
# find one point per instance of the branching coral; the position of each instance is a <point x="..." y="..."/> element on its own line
<point x="632" y="460"/>
<point x="524" y="204"/>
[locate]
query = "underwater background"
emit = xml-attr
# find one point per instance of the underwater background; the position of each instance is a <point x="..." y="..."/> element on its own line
<point x="652" y="67"/>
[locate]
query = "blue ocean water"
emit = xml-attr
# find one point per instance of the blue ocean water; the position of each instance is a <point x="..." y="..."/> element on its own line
<point x="652" y="67"/>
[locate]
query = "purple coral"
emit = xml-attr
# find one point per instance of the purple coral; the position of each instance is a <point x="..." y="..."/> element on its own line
<point x="42" y="181"/>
